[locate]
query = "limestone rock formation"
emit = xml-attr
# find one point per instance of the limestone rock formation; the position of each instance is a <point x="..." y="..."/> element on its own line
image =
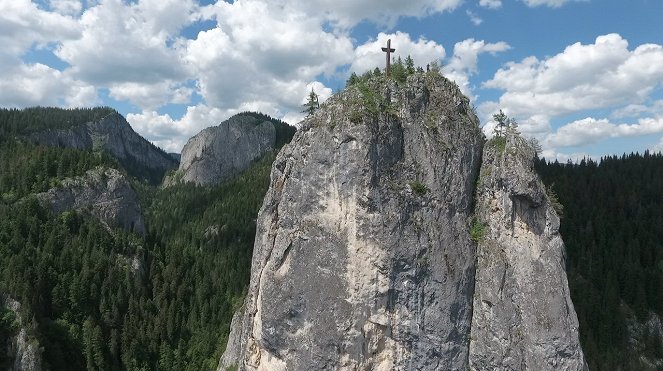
<point x="366" y="256"/>
<point x="24" y="352"/>
<point x="363" y="259"/>
<point x="103" y="192"/>
<point x="523" y="317"/>
<point x="114" y="135"/>
<point x="221" y="152"/>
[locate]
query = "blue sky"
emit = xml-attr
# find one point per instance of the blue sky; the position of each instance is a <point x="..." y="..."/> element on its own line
<point x="583" y="77"/>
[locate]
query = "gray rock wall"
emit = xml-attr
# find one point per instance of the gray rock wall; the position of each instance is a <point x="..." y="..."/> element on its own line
<point x="105" y="193"/>
<point x="114" y="135"/>
<point x="221" y="152"/>
<point x="523" y="315"/>
<point x="363" y="258"/>
<point x="25" y="352"/>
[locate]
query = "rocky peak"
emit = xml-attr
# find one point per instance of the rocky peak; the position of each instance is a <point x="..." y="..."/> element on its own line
<point x="366" y="251"/>
<point x="523" y="315"/>
<point x="363" y="259"/>
<point x="103" y="192"/>
<point x="221" y="152"/>
<point x="114" y="135"/>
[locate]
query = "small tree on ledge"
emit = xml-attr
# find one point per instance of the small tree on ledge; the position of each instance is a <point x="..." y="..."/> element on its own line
<point x="312" y="103"/>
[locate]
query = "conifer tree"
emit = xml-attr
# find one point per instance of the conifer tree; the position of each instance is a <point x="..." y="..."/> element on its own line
<point x="312" y="103"/>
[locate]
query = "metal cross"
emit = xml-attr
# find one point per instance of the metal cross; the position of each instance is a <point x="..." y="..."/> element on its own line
<point x="388" y="50"/>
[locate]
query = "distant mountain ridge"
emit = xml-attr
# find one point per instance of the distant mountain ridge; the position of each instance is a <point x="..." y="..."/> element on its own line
<point x="218" y="153"/>
<point x="113" y="134"/>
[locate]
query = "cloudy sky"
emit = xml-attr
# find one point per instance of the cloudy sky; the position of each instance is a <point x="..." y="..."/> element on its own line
<point x="585" y="77"/>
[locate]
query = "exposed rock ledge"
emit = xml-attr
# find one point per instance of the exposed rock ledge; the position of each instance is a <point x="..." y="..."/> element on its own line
<point x="523" y="317"/>
<point x="103" y="192"/>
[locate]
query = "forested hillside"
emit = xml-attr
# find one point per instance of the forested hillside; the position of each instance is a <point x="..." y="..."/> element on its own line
<point x="99" y="299"/>
<point x="613" y="230"/>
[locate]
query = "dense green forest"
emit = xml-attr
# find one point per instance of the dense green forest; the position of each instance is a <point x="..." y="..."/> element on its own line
<point x="613" y="230"/>
<point x="104" y="300"/>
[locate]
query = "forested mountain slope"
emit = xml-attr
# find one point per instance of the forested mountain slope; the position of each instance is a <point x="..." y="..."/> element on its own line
<point x="613" y="230"/>
<point x="95" y="298"/>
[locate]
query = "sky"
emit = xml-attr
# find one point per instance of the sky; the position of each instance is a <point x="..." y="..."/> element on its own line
<point x="584" y="77"/>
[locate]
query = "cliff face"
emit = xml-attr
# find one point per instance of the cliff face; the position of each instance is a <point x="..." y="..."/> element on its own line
<point x="105" y="193"/>
<point x="366" y="256"/>
<point x="114" y="135"/>
<point x="221" y="152"/>
<point x="23" y="352"/>
<point x="363" y="258"/>
<point x="523" y="315"/>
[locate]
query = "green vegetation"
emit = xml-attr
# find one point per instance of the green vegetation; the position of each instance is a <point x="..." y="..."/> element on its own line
<point x="498" y="142"/>
<point x="613" y="215"/>
<point x="99" y="299"/>
<point x="312" y="104"/>
<point x="418" y="188"/>
<point x="15" y="122"/>
<point x="478" y="230"/>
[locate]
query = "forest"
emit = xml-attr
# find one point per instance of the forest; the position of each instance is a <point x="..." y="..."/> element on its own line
<point x="612" y="226"/>
<point x="97" y="299"/>
<point x="108" y="300"/>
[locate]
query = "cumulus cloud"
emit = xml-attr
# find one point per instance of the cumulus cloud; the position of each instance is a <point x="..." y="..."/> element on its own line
<point x="259" y="53"/>
<point x="491" y="4"/>
<point x="549" y="3"/>
<point x="23" y="24"/>
<point x="591" y="130"/>
<point x="464" y="61"/>
<point x="475" y="19"/>
<point x="345" y="14"/>
<point x="38" y="84"/>
<point x="66" y="7"/>
<point x="128" y="42"/>
<point x="601" y="75"/>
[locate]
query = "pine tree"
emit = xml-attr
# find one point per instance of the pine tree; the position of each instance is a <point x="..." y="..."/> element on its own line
<point x="312" y="103"/>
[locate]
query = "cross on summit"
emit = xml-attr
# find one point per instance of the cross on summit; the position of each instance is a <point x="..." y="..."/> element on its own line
<point x="388" y="50"/>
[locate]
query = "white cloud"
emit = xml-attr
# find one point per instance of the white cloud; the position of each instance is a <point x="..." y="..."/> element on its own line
<point x="475" y="19"/>
<point x="658" y="147"/>
<point x="38" y="84"/>
<point x="464" y="61"/>
<point x="491" y="4"/>
<point x="345" y="14"/>
<point x="66" y="7"/>
<point x="549" y="3"/>
<point x="600" y="75"/>
<point x="636" y="110"/>
<point x="123" y="43"/>
<point x="591" y="130"/>
<point x="23" y="24"/>
<point x="273" y="60"/>
<point x="370" y="55"/>
<point x="150" y="96"/>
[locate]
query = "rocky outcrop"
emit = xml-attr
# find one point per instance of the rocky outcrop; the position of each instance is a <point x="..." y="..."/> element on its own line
<point x="24" y="353"/>
<point x="523" y="315"/>
<point x="114" y="135"/>
<point x="104" y="193"/>
<point x="363" y="259"/>
<point x="221" y="152"/>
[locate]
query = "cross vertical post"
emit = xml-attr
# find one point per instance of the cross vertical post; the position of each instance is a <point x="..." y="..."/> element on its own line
<point x="388" y="50"/>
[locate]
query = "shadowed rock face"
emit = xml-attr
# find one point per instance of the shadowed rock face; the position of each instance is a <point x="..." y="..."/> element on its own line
<point x="105" y="193"/>
<point x="363" y="258"/>
<point x="114" y="135"/>
<point x="24" y="352"/>
<point x="221" y="152"/>
<point x="523" y="315"/>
